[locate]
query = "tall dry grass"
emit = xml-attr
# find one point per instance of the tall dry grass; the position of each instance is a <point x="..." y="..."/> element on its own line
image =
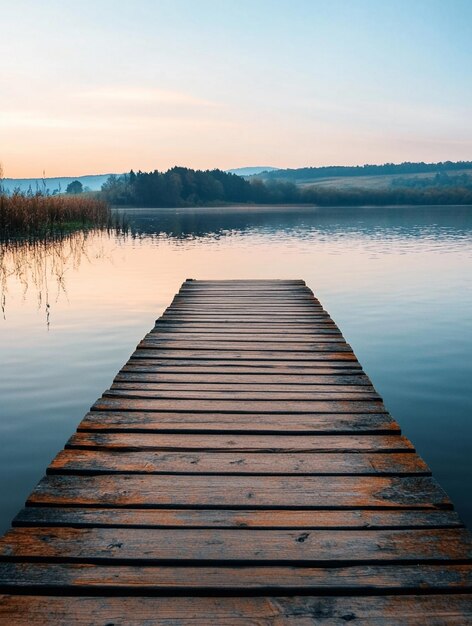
<point x="39" y="215"/>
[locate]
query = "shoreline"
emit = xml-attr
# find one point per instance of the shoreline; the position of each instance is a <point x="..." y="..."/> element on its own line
<point x="280" y="208"/>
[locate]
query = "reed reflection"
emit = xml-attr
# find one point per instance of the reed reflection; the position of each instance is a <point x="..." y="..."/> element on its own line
<point x="40" y="265"/>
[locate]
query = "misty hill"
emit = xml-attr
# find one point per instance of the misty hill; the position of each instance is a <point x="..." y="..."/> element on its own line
<point x="93" y="182"/>
<point x="251" y="171"/>
<point x="372" y="176"/>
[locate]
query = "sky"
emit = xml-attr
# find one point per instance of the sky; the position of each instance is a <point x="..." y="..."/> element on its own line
<point x="108" y="85"/>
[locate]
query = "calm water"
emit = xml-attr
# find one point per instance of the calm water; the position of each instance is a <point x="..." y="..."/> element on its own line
<point x="397" y="281"/>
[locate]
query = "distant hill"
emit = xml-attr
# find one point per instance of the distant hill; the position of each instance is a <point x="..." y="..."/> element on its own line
<point x="93" y="182"/>
<point x="372" y="176"/>
<point x="251" y="171"/>
<point x="337" y="177"/>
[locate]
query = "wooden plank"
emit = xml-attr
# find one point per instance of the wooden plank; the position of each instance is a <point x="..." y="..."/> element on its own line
<point x="247" y="282"/>
<point x="217" y="328"/>
<point x="144" y="545"/>
<point x="322" y="335"/>
<point x="246" y="308"/>
<point x="314" y="424"/>
<point x="241" y="293"/>
<point x="247" y="285"/>
<point x="298" y="295"/>
<point x="240" y="443"/>
<point x="241" y="450"/>
<point x="277" y="296"/>
<point x="300" y="299"/>
<point x="243" y="283"/>
<point x="190" y="491"/>
<point x="144" y="390"/>
<point x="252" y="299"/>
<point x="68" y="577"/>
<point x="232" y="286"/>
<point x="307" y="309"/>
<point x="235" y="285"/>
<point x="261" y="328"/>
<point x="246" y="318"/>
<point x="196" y="290"/>
<point x="236" y="333"/>
<point x="328" y="334"/>
<point x="251" y="296"/>
<point x="328" y="345"/>
<point x="273" y="318"/>
<point x="263" y="310"/>
<point x="135" y="402"/>
<point x="453" y="610"/>
<point x="192" y="282"/>
<point x="311" y="317"/>
<point x="225" y="518"/>
<point x="241" y="355"/>
<point x="251" y="381"/>
<point x="268" y="314"/>
<point x="80" y="461"/>
<point x="263" y="391"/>
<point x="271" y="342"/>
<point x="235" y="288"/>
<point x="291" y="368"/>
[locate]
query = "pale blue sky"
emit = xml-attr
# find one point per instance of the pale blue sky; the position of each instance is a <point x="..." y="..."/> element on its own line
<point x="109" y="85"/>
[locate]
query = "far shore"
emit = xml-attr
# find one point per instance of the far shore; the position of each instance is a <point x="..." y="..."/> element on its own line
<point x="280" y="208"/>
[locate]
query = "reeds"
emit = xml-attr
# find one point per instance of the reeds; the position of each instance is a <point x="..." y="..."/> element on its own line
<point x="27" y="215"/>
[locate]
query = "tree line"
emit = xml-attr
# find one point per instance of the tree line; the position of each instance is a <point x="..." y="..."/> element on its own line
<point x="330" y="171"/>
<point x="184" y="187"/>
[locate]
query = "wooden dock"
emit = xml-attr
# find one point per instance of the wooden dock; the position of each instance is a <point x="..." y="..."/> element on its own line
<point x="242" y="469"/>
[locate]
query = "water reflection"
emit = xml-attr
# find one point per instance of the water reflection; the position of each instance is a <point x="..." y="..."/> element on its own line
<point x="39" y="266"/>
<point x="397" y="281"/>
<point x="396" y="224"/>
<point x="33" y="264"/>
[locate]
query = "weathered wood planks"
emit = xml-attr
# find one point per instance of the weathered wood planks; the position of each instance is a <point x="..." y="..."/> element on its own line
<point x="240" y="518"/>
<point x="321" y="547"/>
<point x="310" y="492"/>
<point x="242" y="423"/>
<point x="109" y="461"/>
<point x="240" y="443"/>
<point x="34" y="577"/>
<point x="241" y="451"/>
<point x="267" y="610"/>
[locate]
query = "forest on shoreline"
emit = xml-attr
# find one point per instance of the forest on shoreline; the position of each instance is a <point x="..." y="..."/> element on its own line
<point x="42" y="213"/>
<point x="184" y="187"/>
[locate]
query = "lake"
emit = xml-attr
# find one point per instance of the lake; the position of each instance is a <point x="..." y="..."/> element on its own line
<point x="396" y="280"/>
